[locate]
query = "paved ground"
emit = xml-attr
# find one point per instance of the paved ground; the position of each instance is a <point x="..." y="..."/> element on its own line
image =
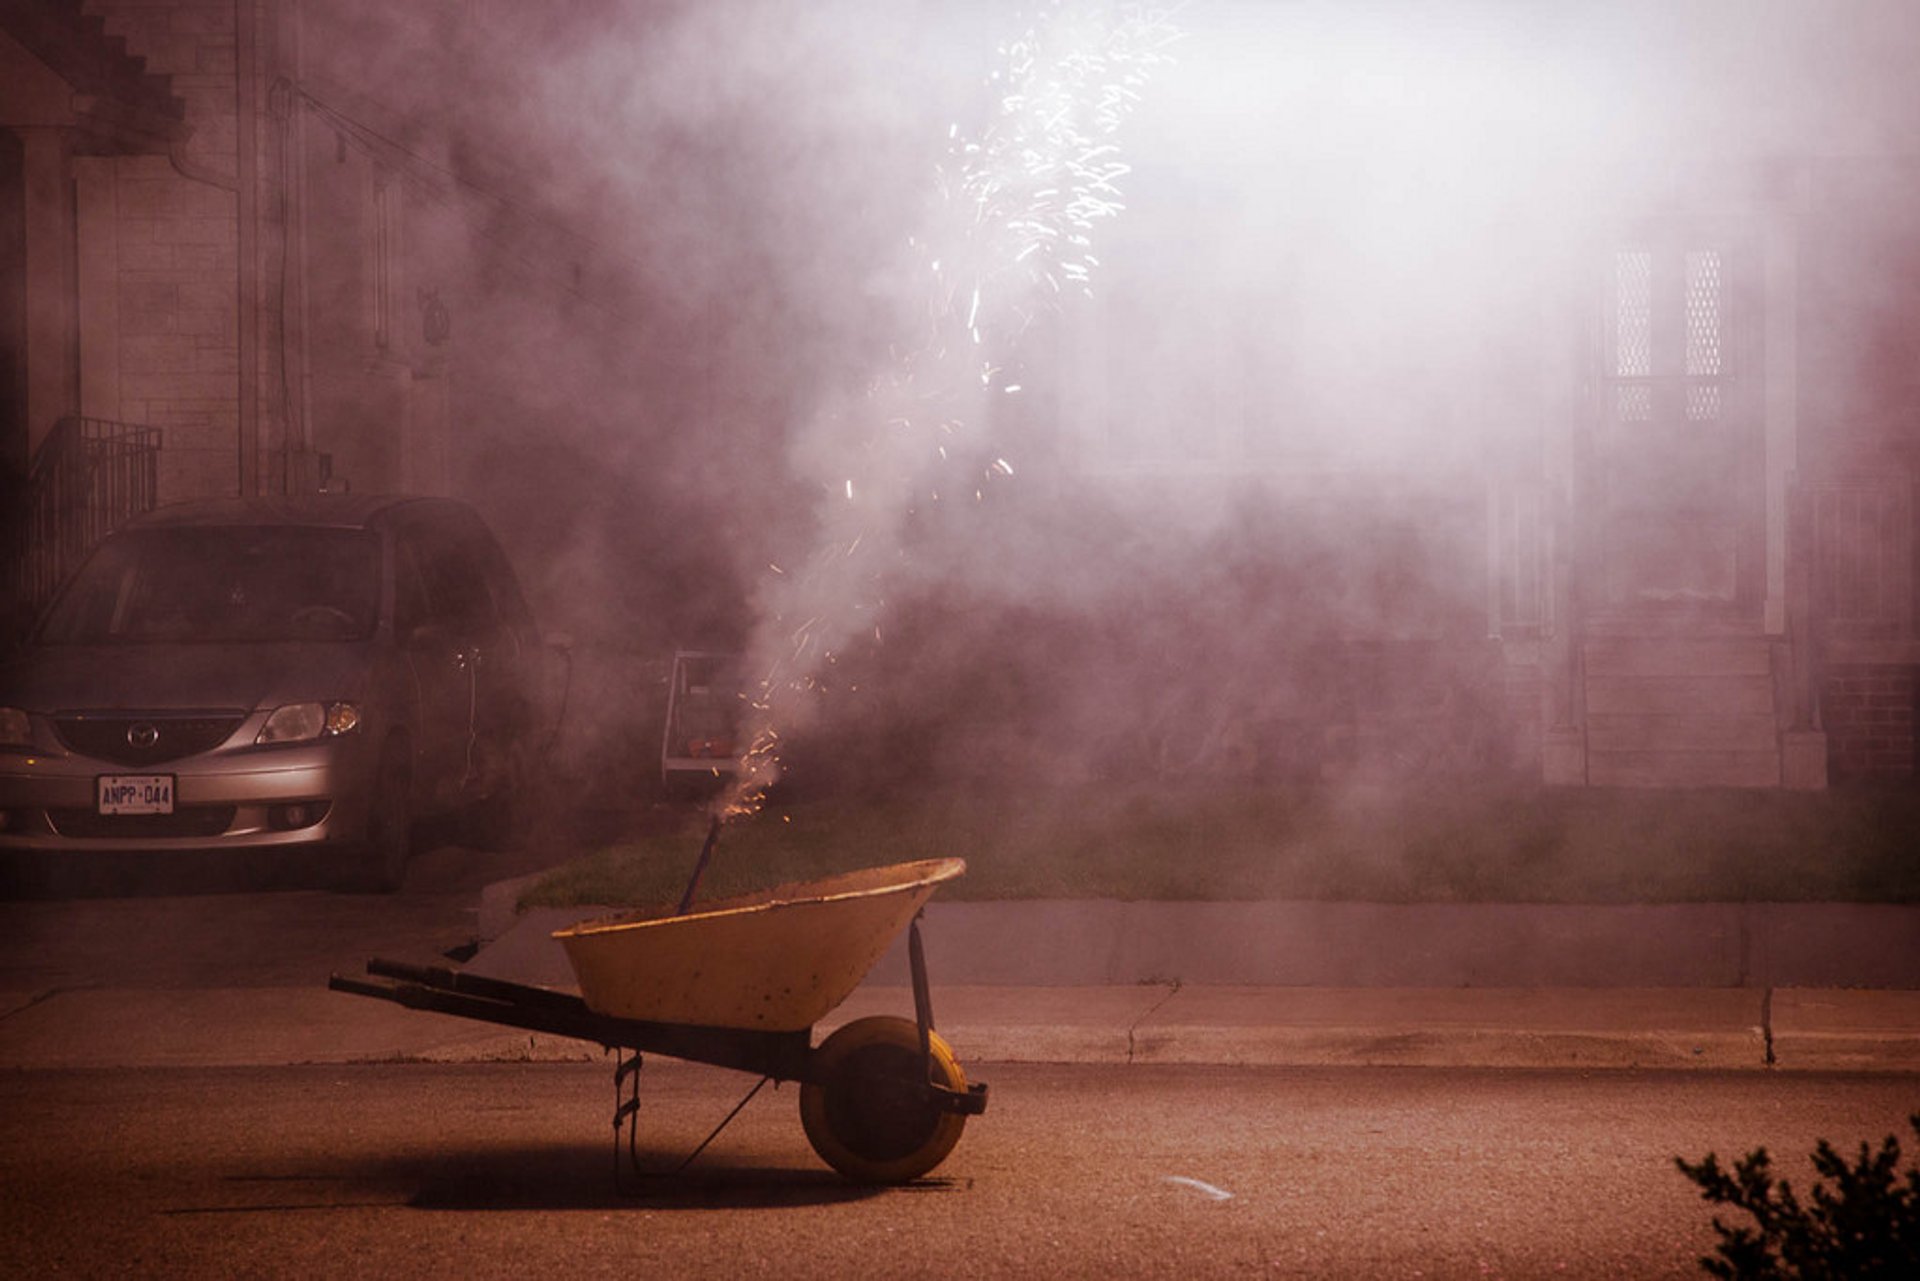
<point x="506" y="1170"/>
<point x="236" y="980"/>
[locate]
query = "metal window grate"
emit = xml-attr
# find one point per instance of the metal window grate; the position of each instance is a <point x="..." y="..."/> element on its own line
<point x="1669" y="336"/>
<point x="1703" y="313"/>
<point x="1633" y="402"/>
<point x="1633" y="313"/>
<point x="1703" y="402"/>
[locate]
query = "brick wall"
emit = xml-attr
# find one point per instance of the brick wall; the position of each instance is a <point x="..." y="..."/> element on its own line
<point x="178" y="252"/>
<point x="1868" y="713"/>
<point x="191" y="41"/>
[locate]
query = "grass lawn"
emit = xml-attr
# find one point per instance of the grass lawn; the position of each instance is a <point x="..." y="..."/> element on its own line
<point x="1465" y="843"/>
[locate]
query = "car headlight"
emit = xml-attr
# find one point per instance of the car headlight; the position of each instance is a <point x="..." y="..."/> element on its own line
<point x="304" y="722"/>
<point x="15" y="729"/>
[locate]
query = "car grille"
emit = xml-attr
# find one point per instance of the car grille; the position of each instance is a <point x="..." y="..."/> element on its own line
<point x="145" y="740"/>
<point x="194" y="820"/>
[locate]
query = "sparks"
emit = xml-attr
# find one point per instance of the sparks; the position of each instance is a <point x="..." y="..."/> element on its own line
<point x="1019" y="203"/>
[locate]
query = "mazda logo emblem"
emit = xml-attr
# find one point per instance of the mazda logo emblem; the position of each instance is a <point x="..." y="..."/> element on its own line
<point x="142" y="734"/>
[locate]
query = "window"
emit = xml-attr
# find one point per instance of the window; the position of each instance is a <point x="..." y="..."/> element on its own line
<point x="223" y="584"/>
<point x="442" y="581"/>
<point x="1667" y="327"/>
<point x="1704" y="323"/>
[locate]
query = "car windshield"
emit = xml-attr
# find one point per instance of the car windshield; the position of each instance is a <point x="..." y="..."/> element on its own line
<point x="225" y="583"/>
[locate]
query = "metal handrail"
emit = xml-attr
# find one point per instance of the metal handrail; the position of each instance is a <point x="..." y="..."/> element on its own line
<point x="1860" y="539"/>
<point x="88" y="477"/>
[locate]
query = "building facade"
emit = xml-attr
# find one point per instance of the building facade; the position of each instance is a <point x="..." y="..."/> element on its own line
<point x="229" y="271"/>
<point x="1596" y="339"/>
<point x="1599" y="408"/>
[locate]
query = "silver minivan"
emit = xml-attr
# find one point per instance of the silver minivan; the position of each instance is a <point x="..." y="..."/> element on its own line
<point x="303" y="676"/>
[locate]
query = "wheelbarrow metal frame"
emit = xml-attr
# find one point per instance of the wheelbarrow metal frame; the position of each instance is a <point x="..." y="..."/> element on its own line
<point x="783" y="1056"/>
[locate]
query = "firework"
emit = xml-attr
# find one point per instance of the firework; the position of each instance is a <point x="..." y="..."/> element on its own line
<point x="1011" y="234"/>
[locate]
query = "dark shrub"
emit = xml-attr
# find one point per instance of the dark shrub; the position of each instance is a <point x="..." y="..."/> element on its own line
<point x="1864" y="1226"/>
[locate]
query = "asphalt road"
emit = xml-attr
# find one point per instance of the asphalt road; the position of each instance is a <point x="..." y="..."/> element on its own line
<point x="507" y="1170"/>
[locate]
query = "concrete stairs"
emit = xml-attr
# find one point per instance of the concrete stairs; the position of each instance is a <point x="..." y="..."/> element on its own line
<point x="74" y="44"/>
<point x="1681" y="712"/>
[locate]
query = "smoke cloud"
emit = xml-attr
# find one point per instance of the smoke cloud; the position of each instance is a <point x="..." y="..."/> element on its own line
<point x="1353" y="280"/>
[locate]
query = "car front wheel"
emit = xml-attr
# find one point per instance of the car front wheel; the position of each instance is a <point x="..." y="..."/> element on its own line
<point x="389" y="840"/>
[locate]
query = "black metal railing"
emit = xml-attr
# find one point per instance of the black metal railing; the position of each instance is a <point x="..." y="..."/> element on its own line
<point x="88" y="476"/>
<point x="1862" y="548"/>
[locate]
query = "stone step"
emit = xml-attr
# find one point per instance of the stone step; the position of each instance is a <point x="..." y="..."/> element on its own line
<point x="1696" y="733"/>
<point x="1670" y="711"/>
<point x="1677" y="656"/>
<point x="1679" y="695"/>
<point x="1644" y="768"/>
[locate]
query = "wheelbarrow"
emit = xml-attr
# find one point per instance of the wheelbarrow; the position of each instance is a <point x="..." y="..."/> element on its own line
<point x="739" y="983"/>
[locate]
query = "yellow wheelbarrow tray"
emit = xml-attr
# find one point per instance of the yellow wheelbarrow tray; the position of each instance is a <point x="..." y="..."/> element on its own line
<point x="739" y="983"/>
<point x="778" y="960"/>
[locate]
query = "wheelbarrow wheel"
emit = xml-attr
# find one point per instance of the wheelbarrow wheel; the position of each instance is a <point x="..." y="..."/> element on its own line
<point x="867" y="1111"/>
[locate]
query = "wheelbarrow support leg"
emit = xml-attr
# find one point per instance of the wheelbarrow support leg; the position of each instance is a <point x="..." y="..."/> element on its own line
<point x="922" y="996"/>
<point x="974" y="1101"/>
<point x="626" y="1115"/>
<point x="626" y="1112"/>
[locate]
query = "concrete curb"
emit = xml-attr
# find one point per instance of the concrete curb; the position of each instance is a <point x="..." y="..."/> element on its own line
<point x="1846" y="1030"/>
<point x="1320" y="1027"/>
<point x="1287" y="984"/>
<point x="1621" y="1028"/>
<point x="1725" y="1029"/>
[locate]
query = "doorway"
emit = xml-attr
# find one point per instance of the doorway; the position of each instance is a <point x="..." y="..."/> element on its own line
<point x="1673" y="468"/>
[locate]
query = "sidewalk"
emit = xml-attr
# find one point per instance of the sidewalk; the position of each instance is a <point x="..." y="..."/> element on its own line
<point x="1582" y="1029"/>
<point x="1794" y="987"/>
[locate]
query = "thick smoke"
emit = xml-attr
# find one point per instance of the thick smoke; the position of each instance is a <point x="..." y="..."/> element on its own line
<point x="1011" y="229"/>
<point x="1354" y="284"/>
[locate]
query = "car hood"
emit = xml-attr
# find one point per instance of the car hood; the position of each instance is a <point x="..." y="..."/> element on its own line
<point x="57" y="678"/>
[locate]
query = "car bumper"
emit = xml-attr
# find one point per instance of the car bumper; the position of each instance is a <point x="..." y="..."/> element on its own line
<point x="256" y="798"/>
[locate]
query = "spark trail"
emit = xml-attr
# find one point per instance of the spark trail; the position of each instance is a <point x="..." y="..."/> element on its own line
<point x="1009" y="235"/>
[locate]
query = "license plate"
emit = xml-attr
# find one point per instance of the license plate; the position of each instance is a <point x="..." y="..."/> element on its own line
<point x="135" y="793"/>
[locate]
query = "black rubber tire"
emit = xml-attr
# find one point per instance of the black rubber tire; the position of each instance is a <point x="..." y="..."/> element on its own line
<point x="389" y="841"/>
<point x="867" y="1112"/>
